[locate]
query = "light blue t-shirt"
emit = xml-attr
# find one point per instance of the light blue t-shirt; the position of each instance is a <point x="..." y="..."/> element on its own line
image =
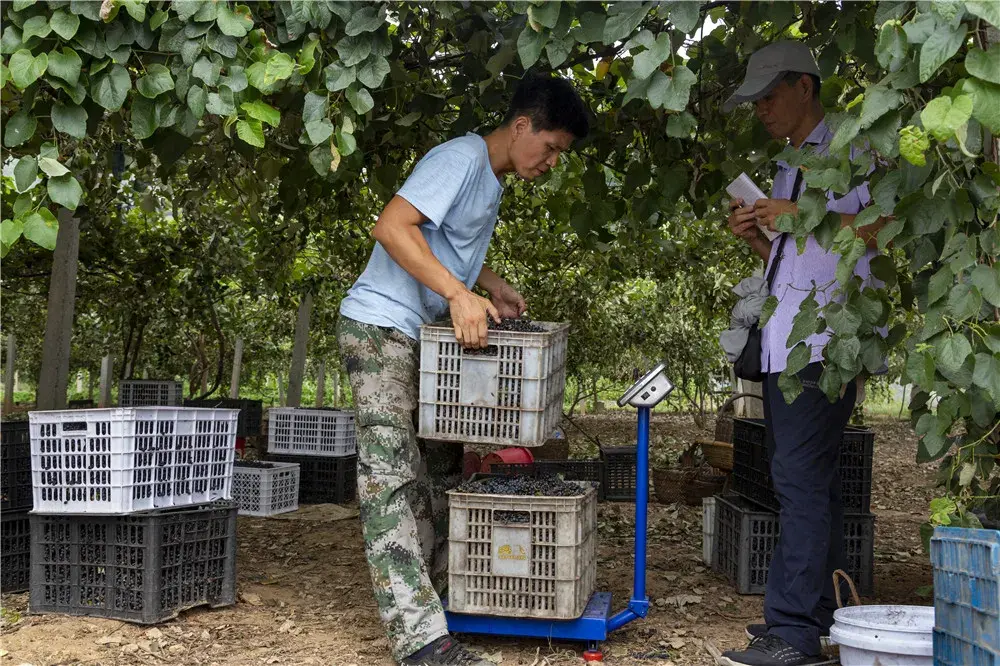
<point x="454" y="186"/>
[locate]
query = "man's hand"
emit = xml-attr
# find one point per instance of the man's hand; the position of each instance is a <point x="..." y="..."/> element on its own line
<point x="508" y="302"/>
<point x="767" y="211"/>
<point x="468" y="315"/>
<point x="743" y="220"/>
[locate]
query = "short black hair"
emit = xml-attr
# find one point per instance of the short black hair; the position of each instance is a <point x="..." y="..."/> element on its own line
<point x="551" y="103"/>
<point x="791" y="78"/>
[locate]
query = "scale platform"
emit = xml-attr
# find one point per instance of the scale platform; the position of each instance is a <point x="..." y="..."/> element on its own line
<point x="592" y="626"/>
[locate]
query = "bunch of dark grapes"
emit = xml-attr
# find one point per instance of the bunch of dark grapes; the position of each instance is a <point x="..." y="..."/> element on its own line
<point x="534" y="486"/>
<point x="520" y="325"/>
<point x="257" y="464"/>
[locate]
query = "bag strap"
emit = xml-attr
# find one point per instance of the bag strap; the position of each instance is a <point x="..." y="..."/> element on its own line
<point x="796" y="193"/>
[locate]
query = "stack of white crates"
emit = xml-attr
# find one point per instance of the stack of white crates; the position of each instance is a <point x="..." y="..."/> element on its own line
<point x="266" y="488"/>
<point x="322" y="442"/>
<point x="133" y="518"/>
<point x="150" y="393"/>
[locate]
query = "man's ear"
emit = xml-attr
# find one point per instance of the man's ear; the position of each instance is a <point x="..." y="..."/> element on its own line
<point x="521" y="126"/>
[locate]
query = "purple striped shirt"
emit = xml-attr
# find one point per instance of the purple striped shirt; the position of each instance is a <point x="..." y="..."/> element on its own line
<point x="798" y="274"/>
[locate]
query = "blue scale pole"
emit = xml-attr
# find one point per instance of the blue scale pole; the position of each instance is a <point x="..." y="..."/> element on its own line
<point x="638" y="605"/>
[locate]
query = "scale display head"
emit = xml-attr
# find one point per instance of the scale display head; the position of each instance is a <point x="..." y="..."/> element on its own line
<point x="648" y="391"/>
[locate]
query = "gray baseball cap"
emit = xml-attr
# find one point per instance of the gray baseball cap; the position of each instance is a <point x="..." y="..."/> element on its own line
<point x="766" y="68"/>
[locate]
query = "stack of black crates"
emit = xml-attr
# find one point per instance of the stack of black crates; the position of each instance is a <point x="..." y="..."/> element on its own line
<point x="746" y="520"/>
<point x="15" y="491"/>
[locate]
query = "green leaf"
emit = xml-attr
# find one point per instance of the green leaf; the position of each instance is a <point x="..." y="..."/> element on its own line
<point x="64" y="23"/>
<point x="890" y="49"/>
<point x="346" y="143"/>
<point x="35" y="26"/>
<point x="25" y="173"/>
<point x="803" y="323"/>
<point x="878" y="101"/>
<point x="319" y="158"/>
<point x="70" y="119"/>
<point x="251" y="131"/>
<point x="26" y="68"/>
<point x="354" y="50"/>
<point x="158" y="19"/>
<point x="884" y="269"/>
<point x="684" y="15"/>
<point x="361" y="100"/>
<point x="987" y="280"/>
<point x="933" y="444"/>
<point x="798" y="358"/>
<point x="845" y="133"/>
<point x="682" y="125"/>
<point x="10" y="231"/>
<point x="263" y="112"/>
<point x="65" y="191"/>
<point x="940" y="284"/>
<point x="196" y="100"/>
<point x="985" y="9"/>
<point x="841" y="319"/>
<point x="315" y="107"/>
<point x="591" y="28"/>
<point x="279" y="67"/>
<point x="222" y="103"/>
<point x="836" y="180"/>
<point x="873" y="354"/>
<point x="558" y="50"/>
<point x="367" y="19"/>
<point x="845" y="352"/>
<point x="65" y="65"/>
<point x="963" y="301"/>
<point x="790" y="386"/>
<point x="319" y="130"/>
<point x="143" y="118"/>
<point x="156" y="81"/>
<point x="110" y="88"/>
<point x="920" y="369"/>
<point x="339" y="77"/>
<point x="234" y="22"/>
<point x="650" y="60"/>
<point x="623" y="18"/>
<point x="373" y="71"/>
<point x="41" y="228"/>
<point x="832" y="381"/>
<point x="546" y="14"/>
<point x="940" y="46"/>
<point x="135" y="8"/>
<point x="208" y="71"/>
<point x="235" y="79"/>
<point x="307" y="57"/>
<point x="679" y="93"/>
<point x="986" y="103"/>
<point x="19" y="129"/>
<point x="850" y="253"/>
<point x="51" y="166"/>
<point x="987" y="375"/>
<point x="529" y="46"/>
<point x="952" y="354"/>
<point x="913" y="142"/>
<point x="767" y="310"/>
<point x="943" y="116"/>
<point x="984" y="64"/>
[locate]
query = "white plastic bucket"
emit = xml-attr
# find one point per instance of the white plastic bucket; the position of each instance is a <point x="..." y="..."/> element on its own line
<point x="884" y="635"/>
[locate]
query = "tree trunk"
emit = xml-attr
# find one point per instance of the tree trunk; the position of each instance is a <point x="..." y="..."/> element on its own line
<point x="8" y="379"/>
<point x="320" y="383"/>
<point x="336" y="387"/>
<point x="54" y="375"/>
<point x="90" y="384"/>
<point x="234" y="383"/>
<point x="104" y="391"/>
<point x="281" y="392"/>
<point x="297" y="373"/>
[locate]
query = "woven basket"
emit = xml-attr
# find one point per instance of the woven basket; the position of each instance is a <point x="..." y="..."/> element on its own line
<point x="724" y="419"/>
<point x="668" y="484"/>
<point x="718" y="454"/>
<point x="703" y="485"/>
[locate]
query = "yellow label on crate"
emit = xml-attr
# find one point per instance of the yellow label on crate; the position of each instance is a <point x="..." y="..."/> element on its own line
<point x="511" y="551"/>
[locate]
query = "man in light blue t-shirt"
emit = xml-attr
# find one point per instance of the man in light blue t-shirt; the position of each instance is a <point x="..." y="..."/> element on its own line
<point x="432" y="239"/>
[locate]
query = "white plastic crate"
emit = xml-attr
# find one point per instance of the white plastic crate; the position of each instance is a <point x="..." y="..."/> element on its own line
<point x="519" y="556"/>
<point x="150" y="393"/>
<point x="513" y="397"/>
<point x="311" y="432"/>
<point x="266" y="488"/>
<point x="123" y="460"/>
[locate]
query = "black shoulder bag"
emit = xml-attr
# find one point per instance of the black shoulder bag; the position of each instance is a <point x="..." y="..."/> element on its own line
<point x="748" y="365"/>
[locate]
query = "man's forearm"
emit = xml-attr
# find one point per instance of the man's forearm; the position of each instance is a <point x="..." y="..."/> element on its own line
<point x="868" y="233"/>
<point x="761" y="246"/>
<point x="489" y="281"/>
<point x="408" y="248"/>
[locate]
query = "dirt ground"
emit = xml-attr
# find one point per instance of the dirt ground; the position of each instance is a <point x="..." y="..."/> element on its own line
<point x="304" y="593"/>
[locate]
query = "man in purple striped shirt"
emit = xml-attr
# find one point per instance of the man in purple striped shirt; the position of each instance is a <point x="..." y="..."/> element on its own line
<point x="782" y="81"/>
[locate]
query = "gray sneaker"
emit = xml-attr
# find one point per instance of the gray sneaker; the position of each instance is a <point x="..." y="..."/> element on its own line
<point x="445" y="651"/>
<point x="757" y="630"/>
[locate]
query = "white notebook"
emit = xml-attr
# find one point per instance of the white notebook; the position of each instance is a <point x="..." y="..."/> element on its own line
<point x="746" y="189"/>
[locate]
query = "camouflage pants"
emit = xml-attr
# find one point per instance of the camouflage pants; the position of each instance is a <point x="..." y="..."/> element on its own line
<point x="402" y="483"/>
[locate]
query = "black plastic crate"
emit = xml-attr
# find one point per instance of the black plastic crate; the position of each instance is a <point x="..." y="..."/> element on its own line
<point x="144" y="567"/>
<point x="248" y="422"/>
<point x="571" y="470"/>
<point x="324" y="480"/>
<point x="752" y="472"/>
<point x="15" y="551"/>
<point x="15" y="466"/>
<point x="746" y="538"/>
<point x="619" y="473"/>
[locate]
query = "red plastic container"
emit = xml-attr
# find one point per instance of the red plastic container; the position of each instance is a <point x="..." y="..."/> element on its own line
<point x="471" y="463"/>
<point x="514" y="454"/>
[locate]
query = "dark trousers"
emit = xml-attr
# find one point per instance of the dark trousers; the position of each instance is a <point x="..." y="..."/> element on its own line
<point x="804" y="448"/>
